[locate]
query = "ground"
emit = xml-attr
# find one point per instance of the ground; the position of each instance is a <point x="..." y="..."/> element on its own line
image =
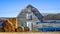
<point x="29" y="32"/>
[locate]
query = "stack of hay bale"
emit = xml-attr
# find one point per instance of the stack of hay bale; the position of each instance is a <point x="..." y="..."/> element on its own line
<point x="10" y="25"/>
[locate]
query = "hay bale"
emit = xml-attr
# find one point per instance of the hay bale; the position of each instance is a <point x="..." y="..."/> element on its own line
<point x="19" y="29"/>
<point x="26" y="29"/>
<point x="14" y="22"/>
<point x="2" y="30"/>
<point x="8" y="27"/>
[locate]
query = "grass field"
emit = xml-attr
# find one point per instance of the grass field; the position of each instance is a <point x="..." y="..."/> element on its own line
<point x="29" y="32"/>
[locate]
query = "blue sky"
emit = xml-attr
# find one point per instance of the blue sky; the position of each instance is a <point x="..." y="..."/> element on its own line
<point x="11" y="8"/>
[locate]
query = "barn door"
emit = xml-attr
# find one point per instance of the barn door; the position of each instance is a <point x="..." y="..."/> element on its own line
<point x="29" y="25"/>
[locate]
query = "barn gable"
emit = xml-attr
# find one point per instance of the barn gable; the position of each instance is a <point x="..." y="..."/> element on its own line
<point x="29" y="14"/>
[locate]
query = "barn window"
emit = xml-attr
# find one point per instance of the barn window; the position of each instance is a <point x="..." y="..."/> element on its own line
<point x="29" y="16"/>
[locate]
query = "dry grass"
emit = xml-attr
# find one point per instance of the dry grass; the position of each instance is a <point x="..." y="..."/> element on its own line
<point x="29" y="32"/>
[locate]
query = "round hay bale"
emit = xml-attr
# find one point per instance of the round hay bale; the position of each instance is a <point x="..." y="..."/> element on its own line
<point x="19" y="29"/>
<point x="26" y="29"/>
